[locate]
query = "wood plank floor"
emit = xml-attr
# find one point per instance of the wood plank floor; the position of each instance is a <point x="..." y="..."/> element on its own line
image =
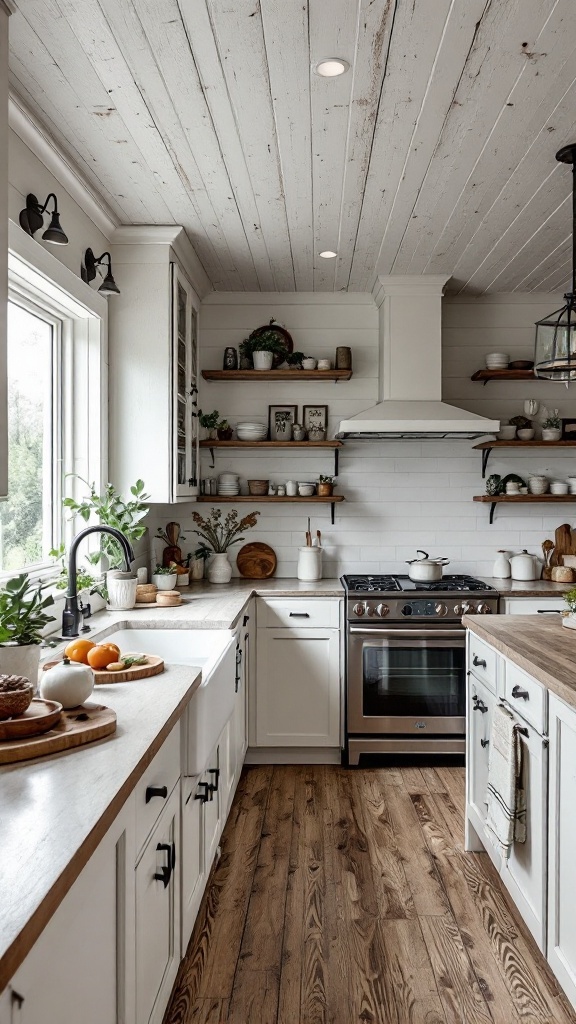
<point x="345" y="897"/>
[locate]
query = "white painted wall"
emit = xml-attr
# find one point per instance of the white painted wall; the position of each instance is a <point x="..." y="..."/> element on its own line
<point x="400" y="495"/>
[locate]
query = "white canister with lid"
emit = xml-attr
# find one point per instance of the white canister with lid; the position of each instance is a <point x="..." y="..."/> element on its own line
<point x="69" y="683"/>
<point x="309" y="564"/>
<point x="501" y="569"/>
<point x="523" y="566"/>
<point x="121" y="589"/>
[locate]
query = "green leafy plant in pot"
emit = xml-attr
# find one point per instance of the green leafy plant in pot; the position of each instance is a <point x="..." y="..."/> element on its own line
<point x="262" y="349"/>
<point x="23" y="617"/>
<point x="111" y="509"/>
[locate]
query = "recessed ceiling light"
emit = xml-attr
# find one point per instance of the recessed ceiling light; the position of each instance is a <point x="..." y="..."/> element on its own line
<point x="328" y="254"/>
<point x="331" y="67"/>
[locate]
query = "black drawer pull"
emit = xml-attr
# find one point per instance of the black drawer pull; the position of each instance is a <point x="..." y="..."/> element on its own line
<point x="299" y="615"/>
<point x="478" y="663"/>
<point x="479" y="705"/>
<point x="216" y="773"/>
<point x="206" y="795"/>
<point x="165" y="872"/>
<point x="519" y="693"/>
<point x="484" y="743"/>
<point x="548" y="611"/>
<point x="245" y="620"/>
<point x="152" y="791"/>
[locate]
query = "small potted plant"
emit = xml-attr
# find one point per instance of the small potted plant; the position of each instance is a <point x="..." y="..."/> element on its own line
<point x="164" y="577"/>
<point x="552" y="427"/>
<point x="294" y="360"/>
<point x="325" y="486"/>
<point x="219" y="535"/>
<point x="197" y="561"/>
<point x="209" y="421"/>
<point x="22" y="620"/>
<point x="224" y="431"/>
<point x="569" y="617"/>
<point x="262" y="349"/>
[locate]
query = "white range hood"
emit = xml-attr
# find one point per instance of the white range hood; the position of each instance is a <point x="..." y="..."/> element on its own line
<point x="411" y="406"/>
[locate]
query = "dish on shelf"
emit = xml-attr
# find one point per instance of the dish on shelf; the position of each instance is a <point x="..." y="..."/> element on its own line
<point x="256" y="561"/>
<point x="258" y="487"/>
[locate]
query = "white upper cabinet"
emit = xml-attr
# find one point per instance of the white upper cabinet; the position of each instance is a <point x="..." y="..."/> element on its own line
<point x="3" y="248"/>
<point x="153" y="373"/>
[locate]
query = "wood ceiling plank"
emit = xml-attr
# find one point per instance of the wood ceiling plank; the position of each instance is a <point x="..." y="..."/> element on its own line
<point x="495" y="62"/>
<point x="285" y="28"/>
<point x="559" y="257"/>
<point x="560" y="279"/>
<point x="239" y="38"/>
<point x="524" y="121"/>
<point x="416" y="39"/>
<point x="375" y="23"/>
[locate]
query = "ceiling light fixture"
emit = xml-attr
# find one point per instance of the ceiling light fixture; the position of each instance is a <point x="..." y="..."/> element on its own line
<point x="328" y="254"/>
<point x="88" y="272"/>
<point x="555" y="351"/>
<point x="32" y="219"/>
<point x="331" y="67"/>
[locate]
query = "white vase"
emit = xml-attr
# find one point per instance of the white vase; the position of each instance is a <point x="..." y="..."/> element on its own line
<point x="21" y="661"/>
<point x="197" y="569"/>
<point x="121" y="589"/>
<point x="501" y="570"/>
<point x="551" y="434"/>
<point x="262" y="360"/>
<point x="220" y="570"/>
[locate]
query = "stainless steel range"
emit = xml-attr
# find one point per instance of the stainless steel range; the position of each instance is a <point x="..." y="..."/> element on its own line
<point x="405" y="662"/>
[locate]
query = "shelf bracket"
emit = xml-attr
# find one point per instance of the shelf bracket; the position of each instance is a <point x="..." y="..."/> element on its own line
<point x="492" y="510"/>
<point x="486" y="452"/>
<point x="213" y="463"/>
<point x="336" y="453"/>
<point x="332" y="508"/>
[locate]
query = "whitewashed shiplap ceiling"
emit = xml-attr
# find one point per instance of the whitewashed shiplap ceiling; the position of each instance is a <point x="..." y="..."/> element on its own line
<point x="434" y="153"/>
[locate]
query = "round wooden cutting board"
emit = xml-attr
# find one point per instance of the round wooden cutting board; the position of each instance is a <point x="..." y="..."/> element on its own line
<point x="256" y="561"/>
<point x="39" y="717"/>
<point x="153" y="667"/>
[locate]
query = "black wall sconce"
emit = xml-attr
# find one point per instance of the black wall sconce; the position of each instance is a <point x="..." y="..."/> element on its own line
<point x="88" y="272"/>
<point x="32" y="219"/>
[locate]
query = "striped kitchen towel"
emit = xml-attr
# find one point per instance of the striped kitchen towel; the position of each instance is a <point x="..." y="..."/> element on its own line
<point x="506" y="819"/>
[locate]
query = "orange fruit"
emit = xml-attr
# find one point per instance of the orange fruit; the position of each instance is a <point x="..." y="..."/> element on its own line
<point x="101" y="656"/>
<point x="113" y="647"/>
<point x="77" y="650"/>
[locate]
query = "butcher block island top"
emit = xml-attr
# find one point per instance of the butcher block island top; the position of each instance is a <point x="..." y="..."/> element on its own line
<point x="538" y="644"/>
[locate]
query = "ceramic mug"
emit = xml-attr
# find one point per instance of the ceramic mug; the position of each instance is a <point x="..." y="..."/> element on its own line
<point x="308" y="364"/>
<point x="291" y="488"/>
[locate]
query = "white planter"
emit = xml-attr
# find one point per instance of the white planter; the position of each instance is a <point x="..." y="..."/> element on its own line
<point x="21" y="661"/>
<point x="197" y="569"/>
<point x="182" y="579"/>
<point x="262" y="360"/>
<point x="551" y="434"/>
<point x="121" y="589"/>
<point x="164" y="581"/>
<point x="220" y="570"/>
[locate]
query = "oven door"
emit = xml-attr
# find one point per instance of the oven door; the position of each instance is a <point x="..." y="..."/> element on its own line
<point x="406" y="680"/>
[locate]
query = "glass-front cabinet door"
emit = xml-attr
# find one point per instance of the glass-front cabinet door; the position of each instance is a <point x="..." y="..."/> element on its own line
<point x="185" y="454"/>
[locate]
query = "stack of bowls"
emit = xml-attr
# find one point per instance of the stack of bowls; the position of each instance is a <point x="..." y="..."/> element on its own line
<point x="252" y="431"/>
<point x="497" y="361"/>
<point x="228" y="484"/>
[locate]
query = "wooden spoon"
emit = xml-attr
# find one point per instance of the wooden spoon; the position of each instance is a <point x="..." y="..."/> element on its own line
<point x="547" y="548"/>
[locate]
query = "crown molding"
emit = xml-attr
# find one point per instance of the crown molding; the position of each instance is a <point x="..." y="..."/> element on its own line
<point x="9" y="6"/>
<point x="34" y="135"/>
<point x="167" y="234"/>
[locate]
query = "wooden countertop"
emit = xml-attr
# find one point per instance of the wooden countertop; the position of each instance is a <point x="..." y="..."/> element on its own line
<point x="539" y="644"/>
<point x="527" y="588"/>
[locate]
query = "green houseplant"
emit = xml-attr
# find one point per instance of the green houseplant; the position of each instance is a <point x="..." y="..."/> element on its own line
<point x="111" y="509"/>
<point x="23" y="616"/>
<point x="552" y="426"/>
<point x="209" y="422"/>
<point x="262" y="348"/>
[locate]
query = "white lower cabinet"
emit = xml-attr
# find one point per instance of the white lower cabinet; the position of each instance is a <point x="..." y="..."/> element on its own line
<point x="562" y="845"/>
<point x="193" y="871"/>
<point x="82" y="966"/>
<point x="481" y="704"/>
<point x="158" y="914"/>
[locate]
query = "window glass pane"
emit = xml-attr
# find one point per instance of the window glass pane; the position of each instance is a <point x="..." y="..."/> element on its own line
<point x="26" y="517"/>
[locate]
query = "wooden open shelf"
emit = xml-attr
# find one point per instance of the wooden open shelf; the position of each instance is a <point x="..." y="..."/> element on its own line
<point x="266" y="499"/>
<point x="296" y="376"/>
<point x="274" y="444"/>
<point x="487" y="375"/>
<point x="522" y="499"/>
<point x="486" y="447"/>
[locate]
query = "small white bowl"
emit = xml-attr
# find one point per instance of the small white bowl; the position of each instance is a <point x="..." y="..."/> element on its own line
<point x="308" y="364"/>
<point x="507" y="432"/>
<point x="558" y="487"/>
<point x="527" y="434"/>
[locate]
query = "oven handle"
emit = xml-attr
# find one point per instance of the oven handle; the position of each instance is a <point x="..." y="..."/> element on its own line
<point x="411" y="634"/>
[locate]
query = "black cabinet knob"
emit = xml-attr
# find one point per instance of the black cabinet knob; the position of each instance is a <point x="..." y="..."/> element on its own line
<point x="478" y="663"/>
<point x="245" y="620"/>
<point x="216" y="773"/>
<point x="519" y="694"/>
<point x="484" y="743"/>
<point x="206" y="794"/>
<point x="166" y="870"/>
<point x="152" y="791"/>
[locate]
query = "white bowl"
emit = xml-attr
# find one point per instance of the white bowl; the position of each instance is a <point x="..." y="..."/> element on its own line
<point x="507" y="433"/>
<point x="527" y="434"/>
<point x="558" y="487"/>
<point x="164" y="581"/>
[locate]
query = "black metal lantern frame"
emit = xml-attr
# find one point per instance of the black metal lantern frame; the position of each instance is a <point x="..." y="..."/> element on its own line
<point x="555" y="350"/>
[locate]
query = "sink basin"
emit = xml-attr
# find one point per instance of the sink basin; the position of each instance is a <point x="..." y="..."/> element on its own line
<point x="200" y="647"/>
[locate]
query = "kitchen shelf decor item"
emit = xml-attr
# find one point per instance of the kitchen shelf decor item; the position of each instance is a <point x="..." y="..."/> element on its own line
<point x="486" y="447"/>
<point x="74" y="728"/>
<point x="40" y="716"/>
<point x="256" y="561"/>
<point x="315" y="420"/>
<point x="236" y="376"/>
<point x="273" y="335"/>
<point x="493" y="500"/>
<point x="280" y="421"/>
<point x="555" y="347"/>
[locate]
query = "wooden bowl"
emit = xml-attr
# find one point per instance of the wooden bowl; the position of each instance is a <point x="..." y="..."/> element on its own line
<point x="168" y="598"/>
<point x="15" y="702"/>
<point x="258" y="487"/>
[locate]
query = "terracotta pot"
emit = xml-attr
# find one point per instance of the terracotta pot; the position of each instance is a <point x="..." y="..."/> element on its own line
<point x="324" y="490"/>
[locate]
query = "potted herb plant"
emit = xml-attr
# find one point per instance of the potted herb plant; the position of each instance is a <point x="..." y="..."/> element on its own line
<point x="552" y="427"/>
<point x="262" y="349"/>
<point x="325" y="486"/>
<point x="22" y="618"/>
<point x="224" y="431"/>
<point x="86" y="582"/>
<point x="164" y="577"/>
<point x="209" y="421"/>
<point x="294" y="360"/>
<point x="219" y="536"/>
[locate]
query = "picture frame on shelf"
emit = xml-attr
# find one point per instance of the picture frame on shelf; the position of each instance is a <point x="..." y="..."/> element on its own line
<point x="569" y="429"/>
<point x="315" y="416"/>
<point x="281" y="419"/>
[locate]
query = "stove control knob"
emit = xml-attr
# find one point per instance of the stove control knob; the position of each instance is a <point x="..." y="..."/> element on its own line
<point x="358" y="609"/>
<point x="440" y="609"/>
<point x="467" y="608"/>
<point x="484" y="609"/>
<point x="369" y="609"/>
<point x="457" y="609"/>
<point x="382" y="610"/>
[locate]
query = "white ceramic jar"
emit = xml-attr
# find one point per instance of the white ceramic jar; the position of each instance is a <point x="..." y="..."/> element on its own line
<point x="262" y="360"/>
<point x="523" y="566"/>
<point x="501" y="569"/>
<point x="69" y="683"/>
<point x="538" y="484"/>
<point x="309" y="564"/>
<point x="219" y="569"/>
<point x="121" y="589"/>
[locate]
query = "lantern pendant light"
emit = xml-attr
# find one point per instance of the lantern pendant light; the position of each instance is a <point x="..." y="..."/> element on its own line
<point x="555" y="352"/>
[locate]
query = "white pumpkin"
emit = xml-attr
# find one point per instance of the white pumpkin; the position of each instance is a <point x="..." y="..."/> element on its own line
<point x="69" y="683"/>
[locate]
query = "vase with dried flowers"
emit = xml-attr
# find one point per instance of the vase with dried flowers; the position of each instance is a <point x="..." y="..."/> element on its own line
<point x="220" y="534"/>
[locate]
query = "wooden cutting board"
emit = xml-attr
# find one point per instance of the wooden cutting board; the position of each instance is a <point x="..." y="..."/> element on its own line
<point x="256" y="561"/>
<point x="565" y="544"/>
<point x="77" y="726"/>
<point x="38" y="718"/>
<point x="153" y="667"/>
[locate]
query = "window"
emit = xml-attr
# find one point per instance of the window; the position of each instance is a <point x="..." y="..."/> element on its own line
<point x="30" y="522"/>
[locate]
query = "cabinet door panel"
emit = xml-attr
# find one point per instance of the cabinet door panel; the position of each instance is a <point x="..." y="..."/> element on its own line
<point x="192" y="866"/>
<point x="185" y="384"/>
<point x="562" y="845"/>
<point x="481" y="703"/>
<point x="298" y="687"/>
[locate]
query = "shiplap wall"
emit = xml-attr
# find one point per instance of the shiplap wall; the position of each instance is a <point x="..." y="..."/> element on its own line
<point x="399" y="495"/>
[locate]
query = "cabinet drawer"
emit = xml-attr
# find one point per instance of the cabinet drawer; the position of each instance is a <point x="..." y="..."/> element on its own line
<point x="482" y="661"/>
<point x="299" y="611"/>
<point x="161" y="776"/>
<point x="525" y="695"/>
<point x="533" y="605"/>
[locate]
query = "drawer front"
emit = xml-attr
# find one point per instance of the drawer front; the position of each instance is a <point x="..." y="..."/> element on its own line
<point x="299" y="611"/>
<point x="533" y="605"/>
<point x="482" y="661"/>
<point x="525" y="695"/>
<point x="156" y="785"/>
